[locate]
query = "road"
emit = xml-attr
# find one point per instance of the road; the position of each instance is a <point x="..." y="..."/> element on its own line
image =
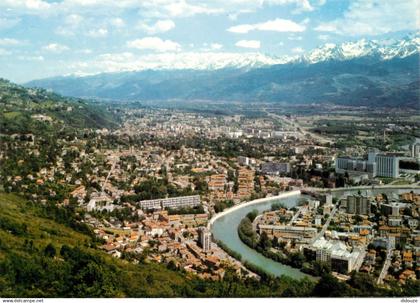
<point x="325" y="227"/>
<point x="301" y="209"/>
<point x="359" y="260"/>
<point x="299" y="129"/>
<point x="384" y="270"/>
<point x="109" y="174"/>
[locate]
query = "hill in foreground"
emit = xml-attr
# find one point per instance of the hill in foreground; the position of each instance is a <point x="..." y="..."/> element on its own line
<point x="25" y="110"/>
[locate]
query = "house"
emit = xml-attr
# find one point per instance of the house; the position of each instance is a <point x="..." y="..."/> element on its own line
<point x="407" y="275"/>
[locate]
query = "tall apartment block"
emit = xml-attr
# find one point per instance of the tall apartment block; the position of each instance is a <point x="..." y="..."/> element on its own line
<point x="358" y="205"/>
<point x="204" y="238"/>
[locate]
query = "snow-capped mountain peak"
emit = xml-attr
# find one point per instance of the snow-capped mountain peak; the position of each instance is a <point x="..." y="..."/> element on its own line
<point x="384" y="50"/>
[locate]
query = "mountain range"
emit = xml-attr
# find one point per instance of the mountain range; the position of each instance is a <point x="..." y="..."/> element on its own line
<point x="365" y="72"/>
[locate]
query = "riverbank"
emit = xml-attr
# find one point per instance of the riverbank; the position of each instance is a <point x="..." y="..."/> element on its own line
<point x="264" y="246"/>
<point x="369" y="187"/>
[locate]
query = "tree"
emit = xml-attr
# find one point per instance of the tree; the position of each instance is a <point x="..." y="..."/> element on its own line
<point x="171" y="265"/>
<point x="277" y="206"/>
<point x="265" y="242"/>
<point x="149" y="279"/>
<point x="50" y="251"/>
<point x="297" y="259"/>
<point x="358" y="219"/>
<point x="321" y="268"/>
<point x="252" y="215"/>
<point x="329" y="286"/>
<point x="363" y="282"/>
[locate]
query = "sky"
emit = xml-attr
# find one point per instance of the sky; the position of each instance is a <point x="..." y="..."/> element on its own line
<point x="44" y="38"/>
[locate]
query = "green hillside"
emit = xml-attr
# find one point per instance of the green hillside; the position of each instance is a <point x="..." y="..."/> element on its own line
<point x="25" y="110"/>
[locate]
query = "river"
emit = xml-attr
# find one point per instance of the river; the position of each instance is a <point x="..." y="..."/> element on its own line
<point x="224" y="228"/>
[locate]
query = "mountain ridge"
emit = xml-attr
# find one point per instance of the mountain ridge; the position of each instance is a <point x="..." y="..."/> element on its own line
<point x="359" y="73"/>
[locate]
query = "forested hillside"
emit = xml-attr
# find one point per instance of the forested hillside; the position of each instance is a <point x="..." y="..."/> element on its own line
<point x="25" y="110"/>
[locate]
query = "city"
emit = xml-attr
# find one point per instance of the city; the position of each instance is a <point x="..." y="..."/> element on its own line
<point x="201" y="149"/>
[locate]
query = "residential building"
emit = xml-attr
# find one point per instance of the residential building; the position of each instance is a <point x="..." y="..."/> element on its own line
<point x="358" y="205"/>
<point x="387" y="166"/>
<point x="176" y="202"/>
<point x="382" y="165"/>
<point x="204" y="238"/>
<point x="275" y="168"/>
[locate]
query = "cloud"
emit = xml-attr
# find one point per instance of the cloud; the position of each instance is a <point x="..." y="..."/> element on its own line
<point x="70" y="25"/>
<point x="31" y="58"/>
<point x="97" y="33"/>
<point x="85" y="51"/>
<point x="160" y="26"/>
<point x="4" y="52"/>
<point x="216" y="46"/>
<point x="151" y="8"/>
<point x="323" y="37"/>
<point x="6" y="23"/>
<point x="117" y="22"/>
<point x="117" y="57"/>
<point x="304" y="6"/>
<point x="276" y="25"/>
<point x="183" y="9"/>
<point x="298" y="50"/>
<point x="10" y="42"/>
<point x="34" y="5"/>
<point x="55" y="48"/>
<point x="295" y="38"/>
<point x="73" y="20"/>
<point x="374" y="17"/>
<point x="155" y="44"/>
<point x="249" y="44"/>
<point x="64" y="31"/>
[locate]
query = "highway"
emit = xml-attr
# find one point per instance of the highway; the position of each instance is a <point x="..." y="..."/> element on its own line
<point x="299" y="129"/>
